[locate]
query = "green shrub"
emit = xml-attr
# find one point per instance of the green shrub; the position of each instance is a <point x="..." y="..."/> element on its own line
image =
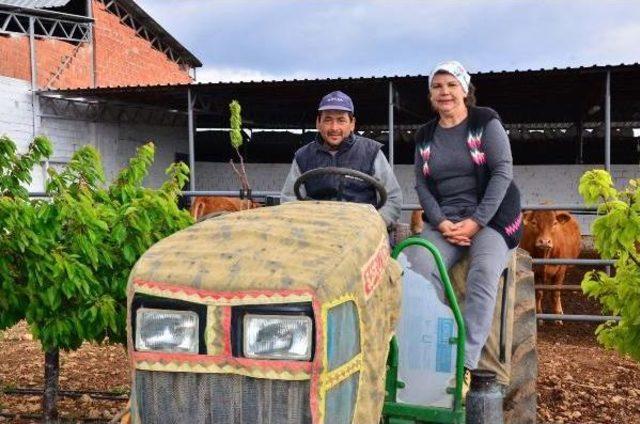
<point x="616" y="233"/>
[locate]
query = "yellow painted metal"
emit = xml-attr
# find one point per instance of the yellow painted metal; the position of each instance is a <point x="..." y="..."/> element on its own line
<point x="320" y="252"/>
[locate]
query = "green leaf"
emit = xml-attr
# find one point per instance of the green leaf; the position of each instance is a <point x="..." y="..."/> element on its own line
<point x="616" y="234"/>
<point x="235" y="124"/>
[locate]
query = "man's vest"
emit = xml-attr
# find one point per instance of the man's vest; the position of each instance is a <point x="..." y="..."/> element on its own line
<point x="508" y="219"/>
<point x="355" y="152"/>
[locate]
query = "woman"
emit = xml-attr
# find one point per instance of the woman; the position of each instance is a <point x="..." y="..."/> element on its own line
<point x="464" y="180"/>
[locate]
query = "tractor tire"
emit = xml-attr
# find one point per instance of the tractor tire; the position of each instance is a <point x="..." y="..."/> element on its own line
<point x="520" y="399"/>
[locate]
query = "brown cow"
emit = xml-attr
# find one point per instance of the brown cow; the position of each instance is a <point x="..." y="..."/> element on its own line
<point x="204" y="205"/>
<point x="416" y="222"/>
<point x="550" y="235"/>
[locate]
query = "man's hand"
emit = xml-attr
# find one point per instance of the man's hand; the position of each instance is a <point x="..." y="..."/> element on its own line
<point x="462" y="232"/>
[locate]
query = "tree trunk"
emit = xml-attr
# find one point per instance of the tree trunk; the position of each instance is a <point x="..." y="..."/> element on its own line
<point x="51" y="387"/>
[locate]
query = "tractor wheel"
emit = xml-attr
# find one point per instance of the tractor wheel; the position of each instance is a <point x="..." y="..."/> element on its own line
<point x="520" y="398"/>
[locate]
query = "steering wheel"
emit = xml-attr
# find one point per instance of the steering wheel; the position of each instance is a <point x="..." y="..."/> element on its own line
<point x="343" y="173"/>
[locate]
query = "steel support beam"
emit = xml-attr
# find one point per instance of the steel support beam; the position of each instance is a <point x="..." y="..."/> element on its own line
<point x="34" y="75"/>
<point x="12" y="22"/>
<point x="92" y="37"/>
<point x="513" y="126"/>
<point x="192" y="153"/>
<point x="92" y="110"/>
<point x="580" y="135"/>
<point x="32" y="54"/>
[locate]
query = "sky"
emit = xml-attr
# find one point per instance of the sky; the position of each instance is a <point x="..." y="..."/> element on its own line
<point x="239" y="40"/>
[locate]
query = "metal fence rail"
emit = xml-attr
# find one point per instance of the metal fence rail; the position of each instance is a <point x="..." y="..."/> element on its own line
<point x="577" y="318"/>
<point x="574" y="318"/>
<point x="536" y="261"/>
<point x="229" y="193"/>
<point x="38" y="194"/>
<point x="572" y="207"/>
<point x="568" y="287"/>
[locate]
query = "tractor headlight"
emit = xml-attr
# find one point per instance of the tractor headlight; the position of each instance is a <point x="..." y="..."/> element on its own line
<point x="278" y="337"/>
<point x="167" y="330"/>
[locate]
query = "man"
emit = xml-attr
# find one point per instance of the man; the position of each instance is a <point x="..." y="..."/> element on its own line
<point x="336" y="145"/>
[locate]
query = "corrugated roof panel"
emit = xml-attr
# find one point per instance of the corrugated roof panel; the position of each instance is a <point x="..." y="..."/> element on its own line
<point x="620" y="67"/>
<point x="35" y="4"/>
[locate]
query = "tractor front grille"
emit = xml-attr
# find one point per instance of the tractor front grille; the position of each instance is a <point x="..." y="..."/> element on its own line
<point x="178" y="397"/>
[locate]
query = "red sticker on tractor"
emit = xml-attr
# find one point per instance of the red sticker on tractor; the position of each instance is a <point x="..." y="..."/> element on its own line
<point x="373" y="270"/>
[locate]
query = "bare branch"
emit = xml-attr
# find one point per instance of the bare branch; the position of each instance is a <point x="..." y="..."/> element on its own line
<point x="245" y="180"/>
<point x="238" y="173"/>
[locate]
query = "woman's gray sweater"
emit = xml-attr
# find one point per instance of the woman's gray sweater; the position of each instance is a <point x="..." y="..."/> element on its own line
<point x="453" y="172"/>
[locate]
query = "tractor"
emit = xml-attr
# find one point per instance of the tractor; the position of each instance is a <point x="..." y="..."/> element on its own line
<point x="288" y="315"/>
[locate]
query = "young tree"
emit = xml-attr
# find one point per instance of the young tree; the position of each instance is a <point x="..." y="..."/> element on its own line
<point x="616" y="234"/>
<point x="86" y="238"/>
<point x="235" y="134"/>
<point x="17" y="220"/>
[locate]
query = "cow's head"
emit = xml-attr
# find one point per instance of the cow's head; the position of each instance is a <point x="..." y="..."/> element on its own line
<point x="546" y="227"/>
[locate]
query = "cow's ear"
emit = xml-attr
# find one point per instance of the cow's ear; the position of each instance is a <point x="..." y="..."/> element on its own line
<point x="563" y="217"/>
<point x="526" y="217"/>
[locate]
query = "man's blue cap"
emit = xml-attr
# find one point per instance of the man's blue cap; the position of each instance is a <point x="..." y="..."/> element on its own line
<point x="336" y="100"/>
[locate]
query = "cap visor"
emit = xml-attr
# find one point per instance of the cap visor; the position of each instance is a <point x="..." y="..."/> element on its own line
<point x="346" y="109"/>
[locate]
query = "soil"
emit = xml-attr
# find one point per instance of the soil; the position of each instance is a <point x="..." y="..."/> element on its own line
<point x="90" y="368"/>
<point x="578" y="382"/>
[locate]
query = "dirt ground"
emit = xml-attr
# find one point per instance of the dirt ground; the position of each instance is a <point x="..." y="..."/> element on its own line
<point x="579" y="381"/>
<point x="91" y="368"/>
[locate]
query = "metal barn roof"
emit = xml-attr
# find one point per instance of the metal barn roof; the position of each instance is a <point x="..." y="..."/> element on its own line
<point x="35" y="4"/>
<point x="565" y="95"/>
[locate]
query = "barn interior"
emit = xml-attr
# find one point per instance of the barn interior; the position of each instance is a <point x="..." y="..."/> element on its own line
<point x="554" y="116"/>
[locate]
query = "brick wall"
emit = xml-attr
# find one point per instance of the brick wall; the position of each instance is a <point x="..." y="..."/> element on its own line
<point x="14" y="57"/>
<point x="50" y="55"/>
<point x="122" y="58"/>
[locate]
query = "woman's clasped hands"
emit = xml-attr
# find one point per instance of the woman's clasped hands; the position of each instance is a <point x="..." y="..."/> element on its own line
<point x="459" y="233"/>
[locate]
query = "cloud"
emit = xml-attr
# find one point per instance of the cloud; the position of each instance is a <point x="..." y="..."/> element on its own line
<point x="231" y="74"/>
<point x="615" y="45"/>
<point x="271" y="39"/>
